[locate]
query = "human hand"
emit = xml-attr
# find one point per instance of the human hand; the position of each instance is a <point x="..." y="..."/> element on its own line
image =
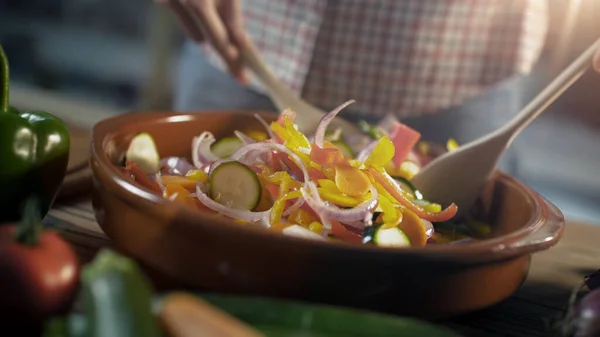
<point x="218" y="22"/>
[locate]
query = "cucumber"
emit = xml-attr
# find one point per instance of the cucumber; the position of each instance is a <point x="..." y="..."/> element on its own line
<point x="391" y="237"/>
<point x="142" y="150"/>
<point x="235" y="185"/>
<point x="344" y="148"/>
<point x="409" y="187"/>
<point x="227" y="146"/>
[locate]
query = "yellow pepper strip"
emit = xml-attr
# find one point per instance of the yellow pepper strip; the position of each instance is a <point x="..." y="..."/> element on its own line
<point x="433" y="208"/>
<point x="179" y="194"/>
<point x="284" y="180"/>
<point x="179" y="180"/>
<point x="296" y="135"/>
<point x="301" y="217"/>
<point x="391" y="216"/>
<point x="197" y="175"/>
<point x="351" y="181"/>
<point x="278" y="206"/>
<point x="412" y="226"/>
<point x="338" y="198"/>
<point x="316" y="227"/>
<point x="328" y="185"/>
<point x="451" y="145"/>
<point x="382" y="153"/>
<point x="408" y="170"/>
<point x="258" y="136"/>
<point x="280" y="131"/>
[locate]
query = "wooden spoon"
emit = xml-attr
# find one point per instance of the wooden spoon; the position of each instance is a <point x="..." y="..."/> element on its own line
<point x="308" y="116"/>
<point x="458" y="176"/>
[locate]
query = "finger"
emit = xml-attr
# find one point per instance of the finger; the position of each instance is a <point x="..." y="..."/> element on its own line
<point x="231" y="14"/>
<point x="214" y="30"/>
<point x="186" y="21"/>
<point x="597" y="60"/>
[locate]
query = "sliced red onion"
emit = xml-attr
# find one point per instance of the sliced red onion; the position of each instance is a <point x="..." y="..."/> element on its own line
<point x="201" y="152"/>
<point x="245" y="139"/>
<point x="364" y="153"/>
<point x="301" y="232"/>
<point x="350" y="215"/>
<point x="228" y="211"/>
<point x="429" y="230"/>
<point x="385" y="125"/>
<point x="176" y="165"/>
<point x="324" y="123"/>
<point x="242" y="153"/>
<point x="159" y="182"/>
<point x="214" y="165"/>
<point x="297" y="204"/>
<point x="266" y="125"/>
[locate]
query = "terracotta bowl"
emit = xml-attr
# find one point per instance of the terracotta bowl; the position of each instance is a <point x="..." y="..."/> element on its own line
<point x="207" y="252"/>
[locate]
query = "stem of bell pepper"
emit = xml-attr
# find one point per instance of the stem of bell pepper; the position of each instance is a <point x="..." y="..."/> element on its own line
<point x="4" y="81"/>
<point x="30" y="228"/>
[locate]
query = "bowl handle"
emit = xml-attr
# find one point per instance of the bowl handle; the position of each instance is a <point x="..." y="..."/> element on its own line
<point x="546" y="232"/>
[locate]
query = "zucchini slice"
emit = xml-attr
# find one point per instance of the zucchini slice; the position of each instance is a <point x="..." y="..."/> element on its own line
<point x="235" y="185"/>
<point x="409" y="187"/>
<point x="390" y="237"/>
<point x="142" y="150"/>
<point x="225" y="147"/>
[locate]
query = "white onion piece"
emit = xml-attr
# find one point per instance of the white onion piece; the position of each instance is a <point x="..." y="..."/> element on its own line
<point x="364" y="153"/>
<point x="245" y="139"/>
<point x="228" y="211"/>
<point x="242" y="153"/>
<point x="176" y="165"/>
<point x="324" y="122"/>
<point x="297" y="204"/>
<point x="429" y="230"/>
<point x="201" y="152"/>
<point x="301" y="232"/>
<point x="266" y="125"/>
<point x="351" y="215"/>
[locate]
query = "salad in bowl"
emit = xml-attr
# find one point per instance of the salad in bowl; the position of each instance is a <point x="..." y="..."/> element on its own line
<point x="317" y="188"/>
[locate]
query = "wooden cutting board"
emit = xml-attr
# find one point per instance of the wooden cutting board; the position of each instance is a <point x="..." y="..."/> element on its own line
<point x="78" y="180"/>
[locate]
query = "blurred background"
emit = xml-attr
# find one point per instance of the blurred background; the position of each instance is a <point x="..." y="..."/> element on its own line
<point x="90" y="59"/>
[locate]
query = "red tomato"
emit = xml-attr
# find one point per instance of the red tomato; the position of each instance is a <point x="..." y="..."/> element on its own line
<point x="38" y="280"/>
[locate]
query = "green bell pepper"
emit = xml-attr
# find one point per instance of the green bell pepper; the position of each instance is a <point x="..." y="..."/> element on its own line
<point x="34" y="153"/>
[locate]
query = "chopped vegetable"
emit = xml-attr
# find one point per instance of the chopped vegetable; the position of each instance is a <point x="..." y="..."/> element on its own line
<point x="142" y="151"/>
<point x="235" y="185"/>
<point x="390" y="237"/>
<point x="38" y="270"/>
<point x="313" y="189"/>
<point x="34" y="153"/>
<point x="227" y="146"/>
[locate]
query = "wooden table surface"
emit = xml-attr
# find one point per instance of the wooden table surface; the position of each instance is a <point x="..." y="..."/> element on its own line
<point x="552" y="276"/>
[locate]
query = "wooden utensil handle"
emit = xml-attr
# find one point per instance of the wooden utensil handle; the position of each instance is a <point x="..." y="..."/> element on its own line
<point x="185" y="315"/>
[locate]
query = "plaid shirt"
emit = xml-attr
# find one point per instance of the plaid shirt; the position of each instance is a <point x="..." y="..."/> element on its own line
<point x="407" y="57"/>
